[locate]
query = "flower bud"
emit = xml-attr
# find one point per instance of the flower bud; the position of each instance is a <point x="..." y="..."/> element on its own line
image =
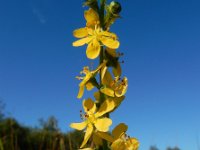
<point x="113" y="11"/>
<point x="115" y="7"/>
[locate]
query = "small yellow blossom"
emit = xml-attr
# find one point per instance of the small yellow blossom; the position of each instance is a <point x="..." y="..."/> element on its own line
<point x="119" y="139"/>
<point x="86" y="79"/>
<point x="122" y="141"/>
<point x="93" y="119"/>
<point x="94" y="36"/>
<point x="114" y="87"/>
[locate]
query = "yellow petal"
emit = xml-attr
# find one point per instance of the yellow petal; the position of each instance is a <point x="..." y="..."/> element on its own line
<point x="122" y="90"/>
<point x="93" y="49"/>
<point x="78" y="126"/>
<point x="91" y="17"/>
<point x="118" y="144"/>
<point x="107" y="91"/>
<point x="132" y="144"/>
<point x="107" y="79"/>
<point x="106" y="136"/>
<point x="88" y="134"/>
<point x="89" y="86"/>
<point x="81" y="91"/>
<point x="117" y="70"/>
<point x="103" y="124"/>
<point x="119" y="130"/>
<point x="89" y="105"/>
<point x="82" y="41"/>
<point x="118" y="100"/>
<point x="109" y="34"/>
<point x="110" y="42"/>
<point x="103" y="71"/>
<point x="97" y="140"/>
<point x="107" y="106"/>
<point x="86" y="79"/>
<point x="80" y="33"/>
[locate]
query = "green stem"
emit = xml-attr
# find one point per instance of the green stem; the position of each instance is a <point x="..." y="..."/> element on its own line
<point x="101" y="58"/>
<point x="101" y="12"/>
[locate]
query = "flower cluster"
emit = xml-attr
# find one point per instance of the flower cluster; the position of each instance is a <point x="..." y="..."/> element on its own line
<point x="106" y="78"/>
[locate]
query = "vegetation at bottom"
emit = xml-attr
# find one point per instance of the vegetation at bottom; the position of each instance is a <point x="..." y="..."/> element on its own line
<point x="14" y="136"/>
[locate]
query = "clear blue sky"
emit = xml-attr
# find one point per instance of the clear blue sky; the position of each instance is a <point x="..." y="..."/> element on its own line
<point x="161" y="42"/>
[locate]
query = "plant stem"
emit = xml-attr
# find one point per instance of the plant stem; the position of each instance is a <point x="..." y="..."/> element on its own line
<point x="101" y="58"/>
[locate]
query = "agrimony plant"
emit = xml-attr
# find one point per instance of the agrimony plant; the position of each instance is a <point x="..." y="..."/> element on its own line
<point x="102" y="44"/>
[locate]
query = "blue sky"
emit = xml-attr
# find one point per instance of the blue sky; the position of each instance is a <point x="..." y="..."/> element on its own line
<point x="161" y="43"/>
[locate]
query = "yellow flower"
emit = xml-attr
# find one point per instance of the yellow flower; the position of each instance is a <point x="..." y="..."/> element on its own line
<point x="93" y="119"/>
<point x="119" y="139"/>
<point x="94" y="36"/>
<point x="86" y="79"/>
<point x="114" y="87"/>
<point x="125" y="144"/>
<point x="122" y="141"/>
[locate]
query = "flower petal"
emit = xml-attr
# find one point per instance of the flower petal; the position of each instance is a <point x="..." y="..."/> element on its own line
<point x="109" y="34"/>
<point x="78" y="126"/>
<point x="123" y="89"/>
<point x="89" y="106"/>
<point x="118" y="100"/>
<point x="88" y="134"/>
<point x="89" y="86"/>
<point x="103" y="71"/>
<point x="107" y="91"/>
<point x="118" y="144"/>
<point x="132" y="144"/>
<point x="117" y="71"/>
<point x="91" y="17"/>
<point x="110" y="42"/>
<point x="106" y="136"/>
<point x="86" y="79"/>
<point x="80" y="33"/>
<point x="107" y="106"/>
<point x="119" y="130"/>
<point x="107" y="79"/>
<point x="103" y="124"/>
<point x="97" y="139"/>
<point x="82" y="41"/>
<point x="93" y="49"/>
<point x="81" y="91"/>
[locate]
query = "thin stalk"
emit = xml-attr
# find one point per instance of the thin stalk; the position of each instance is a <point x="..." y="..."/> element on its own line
<point x="101" y="58"/>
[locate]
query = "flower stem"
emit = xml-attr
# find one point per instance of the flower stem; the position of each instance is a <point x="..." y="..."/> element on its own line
<point x="101" y="58"/>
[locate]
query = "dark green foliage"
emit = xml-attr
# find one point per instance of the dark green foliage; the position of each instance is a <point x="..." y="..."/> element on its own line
<point x="175" y="148"/>
<point x="153" y="148"/>
<point x="2" y="105"/>
<point x="14" y="136"/>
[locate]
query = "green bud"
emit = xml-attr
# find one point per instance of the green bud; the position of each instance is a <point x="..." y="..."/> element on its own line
<point x="115" y="7"/>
